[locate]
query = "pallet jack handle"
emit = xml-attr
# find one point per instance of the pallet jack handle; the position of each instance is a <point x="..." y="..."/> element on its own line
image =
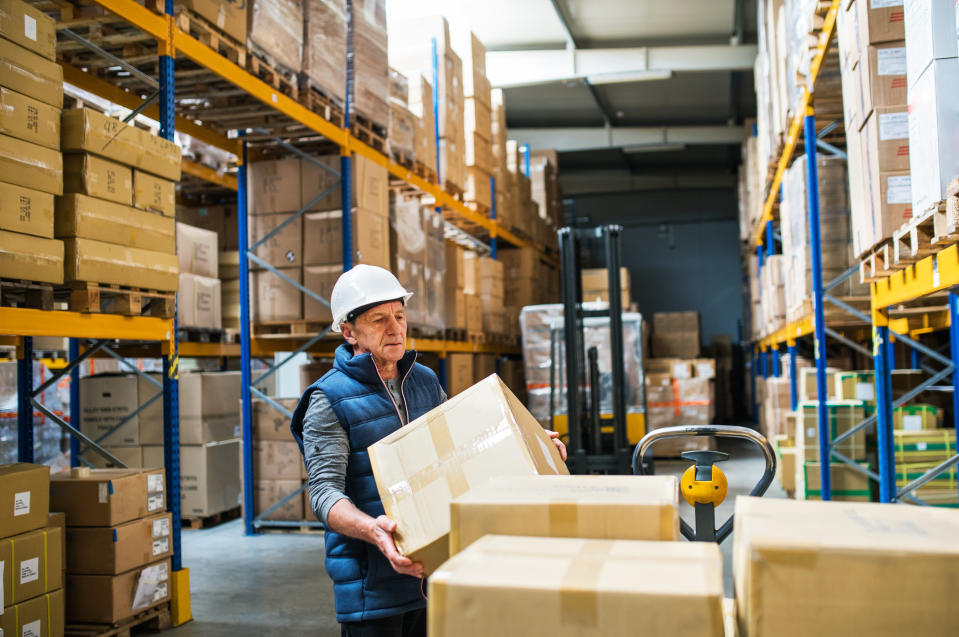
<point x="697" y="474"/>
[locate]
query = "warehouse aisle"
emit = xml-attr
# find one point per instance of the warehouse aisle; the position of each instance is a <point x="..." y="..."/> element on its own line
<point x="275" y="583"/>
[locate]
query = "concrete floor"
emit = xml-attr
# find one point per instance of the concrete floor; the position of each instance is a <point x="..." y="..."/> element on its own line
<point x="275" y="583"/>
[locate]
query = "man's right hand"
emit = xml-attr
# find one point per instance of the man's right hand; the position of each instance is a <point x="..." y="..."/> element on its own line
<point x="381" y="534"/>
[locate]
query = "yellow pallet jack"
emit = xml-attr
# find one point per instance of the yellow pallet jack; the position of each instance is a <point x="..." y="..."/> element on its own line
<point x="703" y="485"/>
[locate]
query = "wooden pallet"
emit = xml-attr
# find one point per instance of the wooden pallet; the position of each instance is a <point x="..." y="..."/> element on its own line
<point x="108" y="298"/>
<point x="456" y="334"/>
<point x="946" y="216"/>
<point x="203" y="335"/>
<point x="316" y="100"/>
<point x="203" y="30"/>
<point x="403" y="157"/>
<point x="877" y="264"/>
<point x="196" y="523"/>
<point x="478" y="208"/>
<point x="424" y="171"/>
<point x="156" y="619"/>
<point x="262" y="65"/>
<point x="368" y="132"/>
<point x="913" y="240"/>
<point x="299" y="328"/>
<point x="22" y="293"/>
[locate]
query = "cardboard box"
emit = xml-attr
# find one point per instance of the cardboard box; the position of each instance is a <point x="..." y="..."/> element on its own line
<point x="31" y="165"/>
<point x="30" y="74"/>
<point x="474" y="313"/>
<point x="319" y="279"/>
<point x="111" y="598"/>
<point x="112" y="550"/>
<point x="324" y="47"/>
<point x="106" y="399"/>
<point x="912" y="447"/>
<point x="846" y="483"/>
<point x="882" y="76"/>
<point x="98" y="177"/>
<point x="459" y="372"/>
<point x="221" y="220"/>
<point x="595" y="283"/>
<point x="96" y="261"/>
<point x="320" y="185"/>
<point x="108" y="496"/>
<point x="277" y="300"/>
<point x="196" y="250"/>
<point x="229" y="17"/>
<point x="29" y="119"/>
<point x="276" y="460"/>
<point x="275" y="27"/>
<point x="283" y="249"/>
<point x="887" y="133"/>
<point x="881" y="21"/>
<point x="199" y="300"/>
<point x="87" y="130"/>
<point x="154" y="193"/>
<point x="275" y="186"/>
<point x="481" y="432"/>
<point x="371" y="238"/>
<point x="79" y="215"/>
<point x="543" y="587"/>
<point x="210" y="477"/>
<point x="33" y="258"/>
<point x="930" y="27"/>
<point x="933" y="133"/>
<point x="209" y="407"/>
<point x="309" y="374"/>
<point x="269" y="424"/>
<point x="599" y="507"/>
<point x="29" y="27"/>
<point x="269" y="492"/>
<point x="916" y="417"/>
<point x="35" y="563"/>
<point x="41" y="616"/>
<point x="787" y="585"/>
<point x="131" y="457"/>
<point x="26" y="211"/>
<point x="788" y="463"/>
<point x="843" y="415"/>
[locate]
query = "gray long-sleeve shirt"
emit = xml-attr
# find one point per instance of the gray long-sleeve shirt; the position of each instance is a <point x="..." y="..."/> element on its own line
<point x="327" y="447"/>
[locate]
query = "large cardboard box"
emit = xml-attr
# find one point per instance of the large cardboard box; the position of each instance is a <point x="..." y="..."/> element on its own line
<point x="24" y="497"/>
<point x="131" y="457"/>
<point x="916" y="417"/>
<point x="26" y="210"/>
<point x="887" y="133"/>
<point x="542" y="587"/>
<point x="277" y="460"/>
<point x="269" y="492"/>
<point x="100" y="262"/>
<point x="41" y="616"/>
<point x="459" y="372"/>
<point x="846" y="483"/>
<point x="199" y="302"/>
<point x="912" y="447"/>
<point x="229" y="17"/>
<point x="31" y="165"/>
<point x="319" y="279"/>
<point x="30" y="74"/>
<point x="275" y="186"/>
<point x="209" y="477"/>
<point x="87" y="130"/>
<point x="595" y="283"/>
<point x="270" y="424"/>
<point x="843" y="415"/>
<point x="324" y="47"/>
<point x="930" y="27"/>
<point x="277" y="300"/>
<point x="79" y="215"/>
<point x="98" y="177"/>
<point x="111" y="598"/>
<point x="154" y="193"/>
<point x="934" y="133"/>
<point x="600" y="507"/>
<point x="29" y="119"/>
<point x="283" y="249"/>
<point x="881" y="21"/>
<point x="324" y="230"/>
<point x="482" y="432"/>
<point x="209" y="407"/>
<point x="108" y="496"/>
<point x="35" y="563"/>
<point x="23" y="256"/>
<point x="831" y="568"/>
<point x="106" y="399"/>
<point x="276" y="28"/>
<point x="882" y="77"/>
<point x="29" y="27"/>
<point x="320" y="185"/>
<point x="196" y="250"/>
<point x="106" y="550"/>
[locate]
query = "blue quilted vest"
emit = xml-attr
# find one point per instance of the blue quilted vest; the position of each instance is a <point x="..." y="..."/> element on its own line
<point x="365" y="586"/>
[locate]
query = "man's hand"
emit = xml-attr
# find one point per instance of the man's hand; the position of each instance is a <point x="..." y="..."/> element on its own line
<point x="381" y="534"/>
<point x="554" y="435"/>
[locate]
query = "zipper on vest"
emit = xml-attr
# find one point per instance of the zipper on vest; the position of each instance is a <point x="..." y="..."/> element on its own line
<point x="393" y="400"/>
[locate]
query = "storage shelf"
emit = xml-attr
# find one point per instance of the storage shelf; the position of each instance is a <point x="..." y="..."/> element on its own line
<point x="936" y="273"/>
<point x="269" y="346"/>
<point x="28" y="322"/>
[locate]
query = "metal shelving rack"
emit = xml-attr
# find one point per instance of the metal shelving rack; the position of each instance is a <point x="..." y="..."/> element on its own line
<point x="937" y="273"/>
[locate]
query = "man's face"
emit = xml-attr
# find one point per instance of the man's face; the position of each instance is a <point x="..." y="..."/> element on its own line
<point x="380" y="331"/>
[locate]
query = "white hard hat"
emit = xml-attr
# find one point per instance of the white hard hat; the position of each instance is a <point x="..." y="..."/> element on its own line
<point x="364" y="285"/>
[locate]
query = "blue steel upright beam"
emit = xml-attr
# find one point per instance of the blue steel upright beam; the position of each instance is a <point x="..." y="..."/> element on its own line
<point x="753" y="364"/>
<point x="776" y="363"/>
<point x="891" y="354"/>
<point x="245" y="342"/>
<point x="74" y="353"/>
<point x="764" y="363"/>
<point x="954" y="343"/>
<point x="793" y="390"/>
<point x="24" y="406"/>
<point x="819" y="324"/>
<point x="770" y="241"/>
<point x="883" y="382"/>
<point x="492" y="215"/>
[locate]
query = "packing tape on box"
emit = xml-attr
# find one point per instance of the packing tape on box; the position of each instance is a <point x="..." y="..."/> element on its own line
<point x="578" y="594"/>
<point x="443" y="443"/>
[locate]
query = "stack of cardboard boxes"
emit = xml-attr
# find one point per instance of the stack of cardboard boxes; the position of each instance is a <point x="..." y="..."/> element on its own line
<point x="595" y="285"/>
<point x="402" y="133"/>
<point x="772" y="293"/>
<point x="366" y="55"/>
<point x="483" y="276"/>
<point x="277" y="464"/>
<point x="31" y="552"/>
<point x="220" y="219"/>
<point x="200" y="295"/>
<point x="324" y="49"/>
<point x="31" y="167"/>
<point x="122" y="413"/>
<point x="505" y="210"/>
<point x="544" y="178"/>
<point x="527" y="281"/>
<point x="477" y="126"/>
<point x="276" y="33"/>
<point x="118" y="542"/>
<point x="419" y="259"/>
<point x="424" y="134"/>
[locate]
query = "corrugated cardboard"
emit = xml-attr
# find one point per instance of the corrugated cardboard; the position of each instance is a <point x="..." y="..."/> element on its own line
<point x="112" y="598"/>
<point x="320" y="186"/>
<point x="788" y="459"/>
<point x="32" y="258"/>
<point x="154" y="193"/>
<point x="916" y="417"/>
<point x="196" y="250"/>
<point x="324" y="47"/>
<point x="41" y="616"/>
<point x="324" y="244"/>
<point x="106" y="399"/>
<point x="26" y="210"/>
<point x="846" y="483"/>
<point x="87" y="130"/>
<point x="229" y="17"/>
<point x="269" y="424"/>
<point x="109" y="550"/>
<point x="543" y="587"/>
<point x="29" y="27"/>
<point x="923" y="446"/>
<point x="276" y="460"/>
<point x="482" y="432"/>
<point x="459" y="372"/>
<point x="283" y="249"/>
<point x="29" y="119"/>
<point x="882" y="74"/>
<point x="832" y="568"/>
<point x="35" y="563"/>
<point x="131" y="457"/>
<point x="209" y="407"/>
<point x="887" y="132"/>
<point x="83" y="216"/>
<point x="843" y="415"/>
<point x="269" y="492"/>
<point x="199" y="302"/>
<point x="24" y="497"/>
<point x="108" y="496"/>
<point x="97" y="177"/>
<point x="89" y="260"/>
<point x="880" y="21"/>
<point x="30" y="74"/>
<point x="276" y="28"/>
<point x="275" y="186"/>
<point x="31" y="165"/>
<point x="599" y="507"/>
<point x="319" y="279"/>
<point x="209" y="477"/>
<point x="277" y="300"/>
<point x="220" y="219"/>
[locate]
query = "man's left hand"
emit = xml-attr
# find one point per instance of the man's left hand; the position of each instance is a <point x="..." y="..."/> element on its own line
<point x="554" y="436"/>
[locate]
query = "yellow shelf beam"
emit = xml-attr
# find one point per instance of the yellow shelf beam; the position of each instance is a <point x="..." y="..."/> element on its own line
<point x="787" y="334"/>
<point x="268" y="346"/>
<point x="935" y="273"/>
<point x="796" y="126"/>
<point x="27" y="322"/>
<point x="209" y="175"/>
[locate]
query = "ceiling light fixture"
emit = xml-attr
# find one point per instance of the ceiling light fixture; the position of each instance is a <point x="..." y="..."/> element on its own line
<point x="629" y="76"/>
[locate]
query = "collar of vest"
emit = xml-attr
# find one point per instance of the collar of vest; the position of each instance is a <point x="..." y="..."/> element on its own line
<point x="361" y="367"/>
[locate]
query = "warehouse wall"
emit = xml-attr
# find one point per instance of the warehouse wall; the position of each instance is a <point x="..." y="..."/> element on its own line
<point x="682" y="251"/>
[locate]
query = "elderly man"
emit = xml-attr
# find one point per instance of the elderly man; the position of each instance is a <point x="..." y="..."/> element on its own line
<point x="375" y="387"/>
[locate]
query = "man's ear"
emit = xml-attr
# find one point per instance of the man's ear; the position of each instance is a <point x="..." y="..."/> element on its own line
<point x="347" y="330"/>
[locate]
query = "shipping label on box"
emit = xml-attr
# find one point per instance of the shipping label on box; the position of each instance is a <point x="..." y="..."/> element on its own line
<point x="112" y="598"/>
<point x="24" y="497"/>
<point x="27" y="211"/>
<point x="108" y="496"/>
<point x="38" y="616"/>
<point x="111" y="550"/>
<point x="35" y="560"/>
<point x="880" y="20"/>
